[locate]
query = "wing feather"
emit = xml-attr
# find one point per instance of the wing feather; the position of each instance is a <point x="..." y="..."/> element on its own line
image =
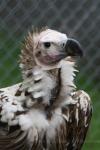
<point x="13" y="139"/>
<point x="79" y="120"/>
<point x="71" y="132"/>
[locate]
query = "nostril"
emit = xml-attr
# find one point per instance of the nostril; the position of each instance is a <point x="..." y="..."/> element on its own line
<point x="63" y="45"/>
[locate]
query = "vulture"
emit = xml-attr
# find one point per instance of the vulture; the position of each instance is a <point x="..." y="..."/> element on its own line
<point x="45" y="111"/>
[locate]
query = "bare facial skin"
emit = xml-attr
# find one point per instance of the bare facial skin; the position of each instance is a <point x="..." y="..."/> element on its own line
<point x="54" y="46"/>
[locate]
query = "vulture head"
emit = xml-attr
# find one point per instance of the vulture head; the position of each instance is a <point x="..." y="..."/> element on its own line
<point x="46" y="48"/>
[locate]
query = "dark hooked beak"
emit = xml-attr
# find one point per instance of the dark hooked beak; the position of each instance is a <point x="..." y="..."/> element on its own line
<point x="73" y="48"/>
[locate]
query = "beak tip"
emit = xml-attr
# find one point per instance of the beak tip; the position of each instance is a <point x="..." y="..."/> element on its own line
<point x="81" y="53"/>
<point x="74" y="47"/>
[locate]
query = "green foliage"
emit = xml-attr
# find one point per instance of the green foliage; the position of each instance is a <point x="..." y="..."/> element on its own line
<point x="9" y="53"/>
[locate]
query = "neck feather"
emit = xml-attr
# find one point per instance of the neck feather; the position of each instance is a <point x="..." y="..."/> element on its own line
<point x="68" y="73"/>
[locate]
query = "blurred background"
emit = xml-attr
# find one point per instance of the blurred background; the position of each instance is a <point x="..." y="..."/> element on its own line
<point x="79" y="19"/>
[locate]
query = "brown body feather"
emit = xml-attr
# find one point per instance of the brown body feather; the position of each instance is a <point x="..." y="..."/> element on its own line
<point x="70" y="133"/>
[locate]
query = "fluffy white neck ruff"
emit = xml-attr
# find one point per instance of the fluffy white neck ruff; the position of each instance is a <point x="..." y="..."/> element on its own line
<point x="67" y="76"/>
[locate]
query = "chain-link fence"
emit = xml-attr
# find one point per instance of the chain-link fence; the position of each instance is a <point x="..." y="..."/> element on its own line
<point x="79" y="19"/>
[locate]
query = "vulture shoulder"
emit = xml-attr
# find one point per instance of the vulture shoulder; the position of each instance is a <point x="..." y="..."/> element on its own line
<point x="72" y="132"/>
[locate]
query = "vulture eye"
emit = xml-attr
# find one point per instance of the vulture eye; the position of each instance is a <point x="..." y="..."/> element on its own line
<point x="47" y="44"/>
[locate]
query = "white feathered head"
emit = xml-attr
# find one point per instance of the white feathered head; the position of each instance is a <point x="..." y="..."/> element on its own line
<point x="46" y="48"/>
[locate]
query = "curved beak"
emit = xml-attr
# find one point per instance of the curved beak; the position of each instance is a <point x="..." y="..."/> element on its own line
<point x="73" y="48"/>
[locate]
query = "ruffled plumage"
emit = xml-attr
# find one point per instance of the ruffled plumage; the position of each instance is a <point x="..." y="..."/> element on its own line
<point x="30" y="120"/>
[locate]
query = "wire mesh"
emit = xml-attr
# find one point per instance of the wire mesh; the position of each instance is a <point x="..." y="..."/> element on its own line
<point x="79" y="19"/>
